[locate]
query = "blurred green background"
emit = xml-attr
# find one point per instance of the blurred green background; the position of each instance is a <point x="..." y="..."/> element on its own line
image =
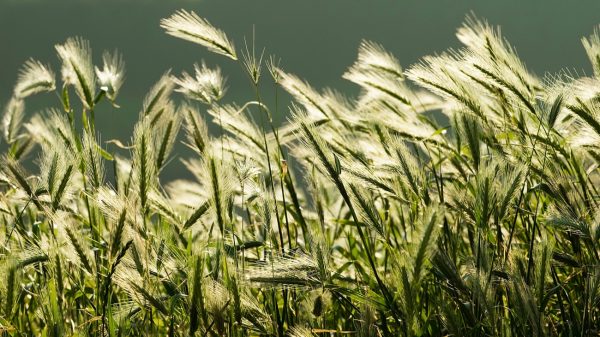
<point x="316" y="39"/>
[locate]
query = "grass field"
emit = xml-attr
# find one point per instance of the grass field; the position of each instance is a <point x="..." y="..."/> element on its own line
<point x="458" y="197"/>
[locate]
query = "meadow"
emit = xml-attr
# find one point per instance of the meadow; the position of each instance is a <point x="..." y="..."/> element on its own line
<point x="456" y="197"/>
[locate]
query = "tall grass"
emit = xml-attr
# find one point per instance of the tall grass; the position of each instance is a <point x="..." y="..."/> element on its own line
<point x="458" y="197"/>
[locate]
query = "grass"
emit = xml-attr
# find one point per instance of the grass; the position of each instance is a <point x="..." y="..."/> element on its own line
<point x="458" y="197"/>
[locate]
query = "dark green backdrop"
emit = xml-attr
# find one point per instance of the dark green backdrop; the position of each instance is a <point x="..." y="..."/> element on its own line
<point x="316" y="39"/>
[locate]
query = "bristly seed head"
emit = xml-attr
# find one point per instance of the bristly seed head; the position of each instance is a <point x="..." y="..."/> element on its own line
<point x="77" y="68"/>
<point x="251" y="63"/>
<point x="208" y="86"/>
<point x="189" y="26"/>
<point x="34" y="77"/>
<point x="111" y="77"/>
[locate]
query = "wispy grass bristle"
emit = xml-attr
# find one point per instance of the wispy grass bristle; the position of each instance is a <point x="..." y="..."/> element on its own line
<point x="207" y="85"/>
<point x="77" y="68"/>
<point x="93" y="161"/>
<point x="144" y="161"/>
<point x="158" y="96"/>
<point x="372" y="56"/>
<point x="34" y="77"/>
<point x="195" y="127"/>
<point x="592" y="48"/>
<point x="189" y="26"/>
<point x="12" y="119"/>
<point x="112" y="75"/>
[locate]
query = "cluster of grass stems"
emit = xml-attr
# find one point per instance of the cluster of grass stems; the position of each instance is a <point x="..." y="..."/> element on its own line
<point x="458" y="197"/>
